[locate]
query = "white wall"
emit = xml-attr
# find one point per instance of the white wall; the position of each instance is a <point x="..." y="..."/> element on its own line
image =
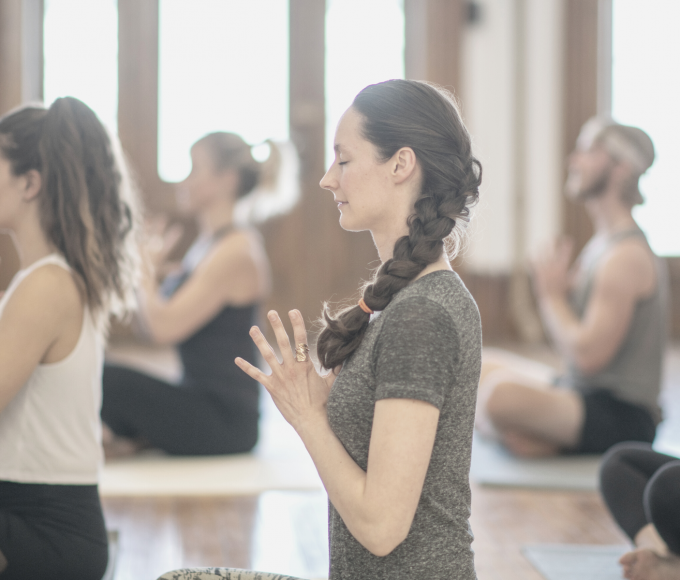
<point x="490" y="93"/>
<point x="488" y="104"/>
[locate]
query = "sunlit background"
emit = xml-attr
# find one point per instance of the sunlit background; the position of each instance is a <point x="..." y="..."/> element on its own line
<point x="646" y="93"/>
<point x="373" y="52"/>
<point x="81" y="60"/>
<point x="221" y="68"/>
<point x="224" y="67"/>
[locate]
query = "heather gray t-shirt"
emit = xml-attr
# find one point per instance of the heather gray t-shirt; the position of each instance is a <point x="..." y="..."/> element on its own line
<point x="425" y="345"/>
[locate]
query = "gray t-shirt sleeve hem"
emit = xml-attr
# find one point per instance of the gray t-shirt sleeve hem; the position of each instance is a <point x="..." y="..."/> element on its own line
<point x="397" y="391"/>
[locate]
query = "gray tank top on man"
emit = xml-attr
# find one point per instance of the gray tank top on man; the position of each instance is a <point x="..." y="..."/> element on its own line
<point x="635" y="373"/>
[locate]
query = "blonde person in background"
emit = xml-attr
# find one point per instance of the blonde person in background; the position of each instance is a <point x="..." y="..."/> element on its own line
<point x="63" y="197"/>
<point x="606" y="317"/>
<point x="205" y="308"/>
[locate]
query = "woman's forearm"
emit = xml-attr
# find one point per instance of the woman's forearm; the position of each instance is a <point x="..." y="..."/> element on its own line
<point x="346" y="484"/>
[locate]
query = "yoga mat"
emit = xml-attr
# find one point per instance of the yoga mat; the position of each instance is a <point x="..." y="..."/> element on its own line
<point x="248" y="474"/>
<point x="493" y="465"/>
<point x="575" y="561"/>
<point x="278" y="462"/>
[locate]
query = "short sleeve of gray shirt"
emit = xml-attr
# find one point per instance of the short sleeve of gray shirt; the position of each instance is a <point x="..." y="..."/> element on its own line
<point x="414" y="357"/>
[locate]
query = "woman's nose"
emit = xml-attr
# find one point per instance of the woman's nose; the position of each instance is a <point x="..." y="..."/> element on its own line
<point x="328" y="181"/>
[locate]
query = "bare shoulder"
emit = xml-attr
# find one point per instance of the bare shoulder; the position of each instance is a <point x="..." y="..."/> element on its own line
<point x="238" y="265"/>
<point x="241" y="246"/>
<point x="630" y="263"/>
<point x="50" y="292"/>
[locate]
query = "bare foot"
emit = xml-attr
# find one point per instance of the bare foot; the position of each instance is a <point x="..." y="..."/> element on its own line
<point x="116" y="447"/>
<point x="526" y="446"/>
<point x="645" y="564"/>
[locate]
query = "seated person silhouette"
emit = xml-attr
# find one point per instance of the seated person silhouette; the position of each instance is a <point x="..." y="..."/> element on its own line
<point x="206" y="308"/>
<point x="642" y="490"/>
<point x="606" y="317"/>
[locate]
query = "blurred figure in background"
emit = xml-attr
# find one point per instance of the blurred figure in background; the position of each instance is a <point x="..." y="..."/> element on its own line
<point x="206" y="308"/>
<point x="642" y="490"/>
<point x="606" y="316"/>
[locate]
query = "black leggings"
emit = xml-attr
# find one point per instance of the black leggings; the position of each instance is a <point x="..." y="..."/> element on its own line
<point x="178" y="420"/>
<point x="641" y="486"/>
<point x="52" y="532"/>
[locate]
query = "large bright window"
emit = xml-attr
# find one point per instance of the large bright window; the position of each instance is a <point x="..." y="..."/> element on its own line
<point x="364" y="45"/>
<point x="223" y="67"/>
<point x="646" y="93"/>
<point x="81" y="54"/>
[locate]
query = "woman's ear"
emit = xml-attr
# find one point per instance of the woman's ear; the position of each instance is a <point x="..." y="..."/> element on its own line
<point x="404" y="164"/>
<point x="32" y="184"/>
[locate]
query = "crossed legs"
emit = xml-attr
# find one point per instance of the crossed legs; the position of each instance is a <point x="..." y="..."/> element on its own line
<point x="518" y="405"/>
<point x="642" y="490"/>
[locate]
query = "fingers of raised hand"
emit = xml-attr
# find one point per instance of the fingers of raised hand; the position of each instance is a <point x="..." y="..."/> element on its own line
<point x="264" y="347"/>
<point x="252" y="371"/>
<point x="299" y="330"/>
<point x="281" y="337"/>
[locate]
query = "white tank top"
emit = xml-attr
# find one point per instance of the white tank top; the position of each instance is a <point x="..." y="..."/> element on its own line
<point x="51" y="432"/>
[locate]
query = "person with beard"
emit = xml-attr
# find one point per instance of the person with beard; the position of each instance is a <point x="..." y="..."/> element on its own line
<point x="606" y="316"/>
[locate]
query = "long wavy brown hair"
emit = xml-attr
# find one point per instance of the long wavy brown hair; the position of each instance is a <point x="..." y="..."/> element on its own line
<point x="87" y="207"/>
<point x="415" y="114"/>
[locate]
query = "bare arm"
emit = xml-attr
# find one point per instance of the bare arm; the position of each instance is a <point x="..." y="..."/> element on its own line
<point x="230" y="274"/>
<point x="378" y="505"/>
<point x="42" y="318"/>
<point x="625" y="276"/>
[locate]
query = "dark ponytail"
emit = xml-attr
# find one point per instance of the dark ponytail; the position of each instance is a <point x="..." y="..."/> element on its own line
<point x="87" y="208"/>
<point x="230" y="151"/>
<point x="266" y="188"/>
<point x="413" y="114"/>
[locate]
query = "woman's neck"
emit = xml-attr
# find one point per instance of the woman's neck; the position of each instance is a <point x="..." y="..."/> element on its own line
<point x="31" y="242"/>
<point x="216" y="217"/>
<point x="385" y="245"/>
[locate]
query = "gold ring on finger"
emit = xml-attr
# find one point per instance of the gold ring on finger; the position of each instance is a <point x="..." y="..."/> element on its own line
<point x="301" y="352"/>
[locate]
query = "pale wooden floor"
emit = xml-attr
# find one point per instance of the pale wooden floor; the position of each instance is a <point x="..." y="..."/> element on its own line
<point x="285" y="532"/>
<point x="157" y="535"/>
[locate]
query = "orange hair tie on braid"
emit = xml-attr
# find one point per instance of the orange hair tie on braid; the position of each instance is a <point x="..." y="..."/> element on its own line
<point x="363" y="306"/>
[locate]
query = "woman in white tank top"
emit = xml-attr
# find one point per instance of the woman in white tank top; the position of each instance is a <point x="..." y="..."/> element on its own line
<point x="62" y="195"/>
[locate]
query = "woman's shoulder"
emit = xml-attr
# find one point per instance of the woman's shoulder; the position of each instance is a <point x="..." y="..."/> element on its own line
<point x="240" y="243"/>
<point x="442" y="287"/>
<point x="439" y="298"/>
<point x="238" y="263"/>
<point x="49" y="292"/>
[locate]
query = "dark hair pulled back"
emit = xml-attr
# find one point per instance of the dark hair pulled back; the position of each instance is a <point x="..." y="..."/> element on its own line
<point x="87" y="208"/>
<point x="415" y="114"/>
<point x="230" y="151"/>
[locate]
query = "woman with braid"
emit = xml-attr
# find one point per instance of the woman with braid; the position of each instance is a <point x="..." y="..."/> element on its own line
<point x="390" y="426"/>
<point x="63" y="197"/>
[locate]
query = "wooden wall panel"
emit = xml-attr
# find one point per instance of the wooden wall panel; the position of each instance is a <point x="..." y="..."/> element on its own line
<point x="10" y="97"/>
<point x="313" y="259"/>
<point x="581" y="96"/>
<point x="138" y="98"/>
<point x="10" y="54"/>
<point x="433" y="40"/>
